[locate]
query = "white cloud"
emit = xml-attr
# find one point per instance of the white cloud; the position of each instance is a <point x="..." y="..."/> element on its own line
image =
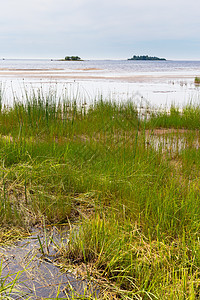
<point x="100" y="22"/>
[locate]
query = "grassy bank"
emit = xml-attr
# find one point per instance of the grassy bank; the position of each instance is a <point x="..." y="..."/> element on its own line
<point x="131" y="178"/>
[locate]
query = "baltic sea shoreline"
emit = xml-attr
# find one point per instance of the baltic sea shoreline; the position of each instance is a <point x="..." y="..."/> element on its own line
<point x="91" y="74"/>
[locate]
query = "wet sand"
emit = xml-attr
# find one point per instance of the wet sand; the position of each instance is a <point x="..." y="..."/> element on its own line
<point x="90" y="74"/>
<point x="155" y="87"/>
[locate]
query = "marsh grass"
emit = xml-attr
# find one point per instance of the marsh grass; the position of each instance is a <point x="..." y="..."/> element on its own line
<point x="187" y="118"/>
<point x="134" y="186"/>
<point x="10" y="286"/>
<point x="197" y="80"/>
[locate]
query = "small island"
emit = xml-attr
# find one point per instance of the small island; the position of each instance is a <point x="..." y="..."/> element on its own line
<point x="73" y="58"/>
<point x="145" y="57"/>
<point x="69" y="58"/>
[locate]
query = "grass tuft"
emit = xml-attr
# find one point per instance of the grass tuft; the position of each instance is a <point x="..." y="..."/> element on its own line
<point x="197" y="80"/>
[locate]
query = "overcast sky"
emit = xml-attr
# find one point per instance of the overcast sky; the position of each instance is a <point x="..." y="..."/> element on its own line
<point x="99" y="29"/>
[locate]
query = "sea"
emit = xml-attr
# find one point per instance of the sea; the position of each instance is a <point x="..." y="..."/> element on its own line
<point x="151" y="83"/>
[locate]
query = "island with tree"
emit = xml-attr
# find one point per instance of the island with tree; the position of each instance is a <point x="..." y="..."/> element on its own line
<point x="69" y="58"/>
<point x="145" y="57"/>
<point x="73" y="58"/>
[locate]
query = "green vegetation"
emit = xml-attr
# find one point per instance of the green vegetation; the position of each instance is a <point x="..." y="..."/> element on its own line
<point x="73" y="58"/>
<point x="145" y="57"/>
<point x="197" y="80"/>
<point x="8" y="290"/>
<point x="128" y="175"/>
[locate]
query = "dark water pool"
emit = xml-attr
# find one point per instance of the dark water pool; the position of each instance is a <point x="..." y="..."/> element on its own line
<point x="40" y="277"/>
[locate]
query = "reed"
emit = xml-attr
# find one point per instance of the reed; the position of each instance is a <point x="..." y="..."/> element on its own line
<point x="197" y="80"/>
<point x="131" y="178"/>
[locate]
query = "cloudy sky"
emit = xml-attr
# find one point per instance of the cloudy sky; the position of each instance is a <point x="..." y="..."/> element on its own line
<point x="99" y="29"/>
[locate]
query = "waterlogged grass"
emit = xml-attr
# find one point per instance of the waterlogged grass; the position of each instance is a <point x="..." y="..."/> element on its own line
<point x="188" y="118"/>
<point x="131" y="177"/>
<point x="10" y="286"/>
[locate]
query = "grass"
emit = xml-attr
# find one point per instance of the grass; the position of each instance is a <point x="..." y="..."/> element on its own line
<point x="131" y="180"/>
<point x="197" y="80"/>
<point x="10" y="286"/>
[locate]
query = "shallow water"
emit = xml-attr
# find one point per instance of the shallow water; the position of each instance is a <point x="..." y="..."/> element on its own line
<point x="40" y="277"/>
<point x="109" y="66"/>
<point x="159" y="83"/>
<point x="171" y="141"/>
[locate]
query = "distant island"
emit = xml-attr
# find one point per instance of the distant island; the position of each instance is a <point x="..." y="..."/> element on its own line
<point x="69" y="58"/>
<point x="72" y="58"/>
<point x="145" y="57"/>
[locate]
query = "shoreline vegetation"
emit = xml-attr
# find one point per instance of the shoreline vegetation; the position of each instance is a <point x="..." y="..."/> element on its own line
<point x="145" y="57"/>
<point x="126" y="180"/>
<point x="197" y="80"/>
<point x="72" y="58"/>
<point x="69" y="58"/>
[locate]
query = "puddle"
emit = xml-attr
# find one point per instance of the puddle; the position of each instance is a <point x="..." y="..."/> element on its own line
<point x="172" y="144"/>
<point x="40" y="277"/>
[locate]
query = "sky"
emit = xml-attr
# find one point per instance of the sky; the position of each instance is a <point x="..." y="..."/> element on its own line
<point x="100" y="29"/>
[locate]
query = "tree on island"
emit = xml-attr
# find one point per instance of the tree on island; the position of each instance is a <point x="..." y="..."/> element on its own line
<point x="145" y="57"/>
<point x="72" y="58"/>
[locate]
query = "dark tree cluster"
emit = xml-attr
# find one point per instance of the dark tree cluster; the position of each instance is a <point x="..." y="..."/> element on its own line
<point x="145" y="57"/>
<point x="72" y="58"/>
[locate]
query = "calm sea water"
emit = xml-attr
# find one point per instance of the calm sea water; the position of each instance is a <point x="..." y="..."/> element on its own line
<point x="108" y="65"/>
<point x="158" y="83"/>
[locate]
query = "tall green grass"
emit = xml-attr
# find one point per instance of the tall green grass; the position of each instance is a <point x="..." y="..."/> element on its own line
<point x="187" y="117"/>
<point x="197" y="80"/>
<point x="135" y="190"/>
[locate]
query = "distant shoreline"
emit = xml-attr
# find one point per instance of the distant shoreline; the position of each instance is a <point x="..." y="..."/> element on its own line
<point x="146" y="58"/>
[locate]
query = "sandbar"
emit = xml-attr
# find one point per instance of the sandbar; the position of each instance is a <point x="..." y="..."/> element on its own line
<point x="61" y="74"/>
